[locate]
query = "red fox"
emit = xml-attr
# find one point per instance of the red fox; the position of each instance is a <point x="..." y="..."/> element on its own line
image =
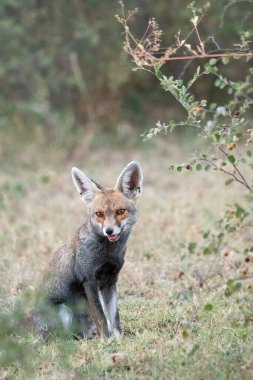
<point x="80" y="284"/>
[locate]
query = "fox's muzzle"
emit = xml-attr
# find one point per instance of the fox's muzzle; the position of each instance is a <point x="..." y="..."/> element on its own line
<point x="112" y="233"/>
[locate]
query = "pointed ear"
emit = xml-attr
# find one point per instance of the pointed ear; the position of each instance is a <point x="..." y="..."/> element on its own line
<point x="129" y="181"/>
<point x="85" y="187"/>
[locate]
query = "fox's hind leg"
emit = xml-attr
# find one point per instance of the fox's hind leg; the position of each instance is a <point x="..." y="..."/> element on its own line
<point x="41" y="328"/>
<point x="47" y="321"/>
<point x="83" y="326"/>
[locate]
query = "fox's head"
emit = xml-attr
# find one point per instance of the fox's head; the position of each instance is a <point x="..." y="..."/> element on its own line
<point x="111" y="211"/>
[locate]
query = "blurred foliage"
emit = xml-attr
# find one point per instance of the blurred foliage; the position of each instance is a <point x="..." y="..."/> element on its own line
<point x="62" y="61"/>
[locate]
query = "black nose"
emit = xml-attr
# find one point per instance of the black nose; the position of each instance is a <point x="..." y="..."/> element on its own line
<point x="109" y="231"/>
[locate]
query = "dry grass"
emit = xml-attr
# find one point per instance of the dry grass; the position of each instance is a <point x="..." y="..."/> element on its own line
<point x="171" y="331"/>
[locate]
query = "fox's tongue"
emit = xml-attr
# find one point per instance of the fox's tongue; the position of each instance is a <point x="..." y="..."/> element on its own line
<point x="113" y="237"/>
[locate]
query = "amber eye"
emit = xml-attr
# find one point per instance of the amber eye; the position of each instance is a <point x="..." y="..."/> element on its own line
<point x="99" y="214"/>
<point x="121" y="211"/>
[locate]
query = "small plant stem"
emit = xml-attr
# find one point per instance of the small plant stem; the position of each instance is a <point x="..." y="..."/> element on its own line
<point x="237" y="170"/>
<point x="225" y="171"/>
<point x="242" y="180"/>
<point x="202" y="46"/>
<point x="204" y="56"/>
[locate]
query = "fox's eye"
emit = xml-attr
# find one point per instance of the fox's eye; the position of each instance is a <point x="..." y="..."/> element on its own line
<point x="99" y="214"/>
<point x="121" y="211"/>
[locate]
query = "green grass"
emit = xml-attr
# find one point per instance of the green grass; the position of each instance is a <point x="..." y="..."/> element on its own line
<point x="177" y="321"/>
<point x="163" y="340"/>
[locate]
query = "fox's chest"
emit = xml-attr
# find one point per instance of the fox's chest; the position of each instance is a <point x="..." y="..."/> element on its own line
<point x="107" y="273"/>
<point x="99" y="263"/>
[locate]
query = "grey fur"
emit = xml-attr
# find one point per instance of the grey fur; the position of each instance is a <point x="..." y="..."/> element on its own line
<point x="87" y="268"/>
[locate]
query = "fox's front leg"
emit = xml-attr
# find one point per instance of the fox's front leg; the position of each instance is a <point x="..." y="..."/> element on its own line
<point x="109" y="295"/>
<point x="96" y="309"/>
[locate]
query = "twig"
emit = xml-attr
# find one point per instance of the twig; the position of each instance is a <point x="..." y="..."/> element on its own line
<point x="205" y="56"/>
<point x="202" y="46"/>
<point x="225" y="171"/>
<point x="236" y="169"/>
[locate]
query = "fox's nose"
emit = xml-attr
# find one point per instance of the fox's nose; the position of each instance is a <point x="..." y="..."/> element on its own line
<point x="109" y="231"/>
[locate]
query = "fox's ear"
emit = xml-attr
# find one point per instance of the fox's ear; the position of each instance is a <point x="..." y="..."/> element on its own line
<point x="85" y="187"/>
<point x="130" y="180"/>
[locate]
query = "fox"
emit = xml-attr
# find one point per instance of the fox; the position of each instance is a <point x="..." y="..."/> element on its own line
<point x="79" y="290"/>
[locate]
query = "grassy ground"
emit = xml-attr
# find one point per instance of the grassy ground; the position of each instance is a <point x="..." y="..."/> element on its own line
<point x="177" y="321"/>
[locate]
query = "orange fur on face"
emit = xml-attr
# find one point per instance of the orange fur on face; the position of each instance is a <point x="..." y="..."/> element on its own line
<point x="100" y="219"/>
<point x="122" y="216"/>
<point x="108" y="203"/>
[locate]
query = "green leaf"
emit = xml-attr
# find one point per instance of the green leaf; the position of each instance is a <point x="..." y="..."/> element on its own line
<point x="216" y="136"/>
<point x="179" y="168"/>
<point x="225" y="60"/>
<point x="198" y="167"/>
<point x="232" y="287"/>
<point x="206" y="234"/>
<point x="217" y="83"/>
<point x="213" y="106"/>
<point x="207" y="251"/>
<point x="240" y="212"/>
<point x="208" y="307"/>
<point x="212" y="61"/>
<point x="231" y="158"/>
<point x="192" y="246"/>
<point x="208" y="68"/>
<point x="229" y="181"/>
<point x="230" y="228"/>
<point x="158" y="73"/>
<point x="249" y="153"/>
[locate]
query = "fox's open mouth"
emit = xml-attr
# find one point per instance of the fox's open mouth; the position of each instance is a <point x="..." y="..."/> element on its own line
<point x="113" y="237"/>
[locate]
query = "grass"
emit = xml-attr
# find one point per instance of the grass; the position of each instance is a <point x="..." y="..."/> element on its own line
<point x="177" y="321"/>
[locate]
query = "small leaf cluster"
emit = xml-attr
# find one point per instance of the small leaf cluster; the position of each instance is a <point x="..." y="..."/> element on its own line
<point x="235" y="218"/>
<point x="232" y="286"/>
<point x="224" y="127"/>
